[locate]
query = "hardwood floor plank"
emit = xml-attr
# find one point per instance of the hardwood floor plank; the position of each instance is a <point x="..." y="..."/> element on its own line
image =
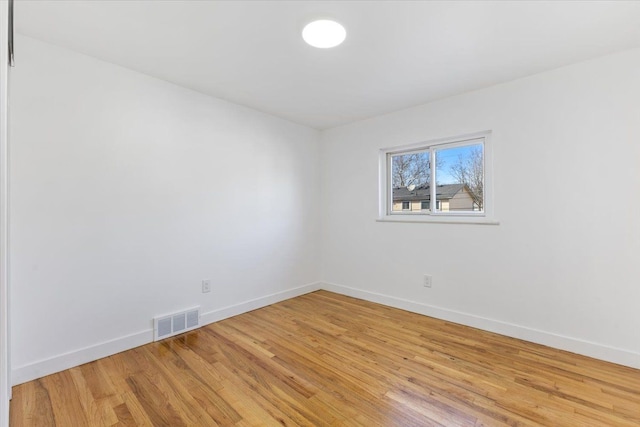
<point x="166" y="380"/>
<point x="65" y="400"/>
<point x="202" y="386"/>
<point x="324" y="359"/>
<point x="261" y="397"/>
<point x="114" y="376"/>
<point x="124" y="416"/>
<point x="136" y="409"/>
<point x="31" y="405"/>
<point x="97" y="410"/>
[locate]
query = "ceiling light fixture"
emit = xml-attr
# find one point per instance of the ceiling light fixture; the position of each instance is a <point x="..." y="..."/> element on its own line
<point x="324" y="33"/>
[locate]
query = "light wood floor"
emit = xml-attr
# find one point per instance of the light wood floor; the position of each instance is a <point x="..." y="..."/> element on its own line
<point x="324" y="359"/>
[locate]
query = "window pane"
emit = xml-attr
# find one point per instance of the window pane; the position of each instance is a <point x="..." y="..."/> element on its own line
<point x="460" y="178"/>
<point x="410" y="176"/>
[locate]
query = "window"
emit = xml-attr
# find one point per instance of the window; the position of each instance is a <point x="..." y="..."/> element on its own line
<point x="448" y="178"/>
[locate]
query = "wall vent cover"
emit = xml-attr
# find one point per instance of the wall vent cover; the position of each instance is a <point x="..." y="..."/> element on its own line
<point x="175" y="323"/>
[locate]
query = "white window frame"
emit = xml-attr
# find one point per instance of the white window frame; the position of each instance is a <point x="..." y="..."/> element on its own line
<point x="433" y="215"/>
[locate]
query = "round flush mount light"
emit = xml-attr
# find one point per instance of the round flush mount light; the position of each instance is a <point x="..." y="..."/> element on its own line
<point x="324" y="33"/>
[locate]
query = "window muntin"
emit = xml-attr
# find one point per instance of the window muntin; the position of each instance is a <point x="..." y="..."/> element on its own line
<point x="460" y="175"/>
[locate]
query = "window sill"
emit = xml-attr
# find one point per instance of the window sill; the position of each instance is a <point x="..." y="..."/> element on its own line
<point x="439" y="219"/>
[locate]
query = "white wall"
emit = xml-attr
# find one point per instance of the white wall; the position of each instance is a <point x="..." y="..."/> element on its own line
<point x="562" y="268"/>
<point x="127" y="191"/>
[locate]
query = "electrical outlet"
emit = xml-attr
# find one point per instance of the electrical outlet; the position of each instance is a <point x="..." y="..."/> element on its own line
<point x="206" y="286"/>
<point x="428" y="279"/>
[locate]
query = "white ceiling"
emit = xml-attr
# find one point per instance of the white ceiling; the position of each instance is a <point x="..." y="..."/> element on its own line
<point x="396" y="55"/>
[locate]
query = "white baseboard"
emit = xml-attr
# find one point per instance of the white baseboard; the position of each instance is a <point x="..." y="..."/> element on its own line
<point x="22" y="374"/>
<point x="41" y="368"/>
<point x="244" y="307"/>
<point x="574" y="345"/>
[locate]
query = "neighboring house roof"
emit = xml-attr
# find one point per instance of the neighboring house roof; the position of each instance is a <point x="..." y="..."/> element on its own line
<point x="443" y="192"/>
